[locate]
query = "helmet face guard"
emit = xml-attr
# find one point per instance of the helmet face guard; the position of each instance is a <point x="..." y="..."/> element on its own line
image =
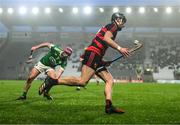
<point x="68" y="51"/>
<point x="116" y="16"/>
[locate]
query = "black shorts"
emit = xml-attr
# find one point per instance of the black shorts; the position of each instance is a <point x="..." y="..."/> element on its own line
<point x="92" y="59"/>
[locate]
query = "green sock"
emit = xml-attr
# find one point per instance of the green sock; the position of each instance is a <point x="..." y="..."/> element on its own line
<point x="24" y="93"/>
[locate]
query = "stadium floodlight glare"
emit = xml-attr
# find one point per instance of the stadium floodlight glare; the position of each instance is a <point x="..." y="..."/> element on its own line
<point x="10" y="10"/>
<point x="87" y="10"/>
<point x="1" y="10"/>
<point x="35" y="10"/>
<point x="47" y="10"/>
<point x="168" y="10"/>
<point x="101" y="10"/>
<point x="75" y="10"/>
<point x="61" y="10"/>
<point x="115" y="9"/>
<point x="142" y="10"/>
<point x="128" y="10"/>
<point x="22" y="10"/>
<point x="155" y="9"/>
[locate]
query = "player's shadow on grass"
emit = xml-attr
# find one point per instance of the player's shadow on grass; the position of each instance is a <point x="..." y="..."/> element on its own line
<point x="14" y="102"/>
<point x="71" y="109"/>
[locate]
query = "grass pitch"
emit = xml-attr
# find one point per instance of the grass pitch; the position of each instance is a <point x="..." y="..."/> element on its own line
<point x="146" y="103"/>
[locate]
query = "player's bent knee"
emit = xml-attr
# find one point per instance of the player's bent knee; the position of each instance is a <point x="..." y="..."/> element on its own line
<point x="29" y="80"/>
<point x="110" y="81"/>
<point x="31" y="77"/>
<point x="82" y="83"/>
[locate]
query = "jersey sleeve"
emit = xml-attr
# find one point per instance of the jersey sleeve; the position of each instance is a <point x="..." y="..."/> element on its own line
<point x="56" y="49"/>
<point x="52" y="48"/>
<point x="52" y="45"/>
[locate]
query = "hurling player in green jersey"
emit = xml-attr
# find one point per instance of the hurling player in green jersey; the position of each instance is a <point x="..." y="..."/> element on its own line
<point x="55" y="57"/>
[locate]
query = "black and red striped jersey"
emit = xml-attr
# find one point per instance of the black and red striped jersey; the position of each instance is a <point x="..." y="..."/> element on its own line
<point x="98" y="45"/>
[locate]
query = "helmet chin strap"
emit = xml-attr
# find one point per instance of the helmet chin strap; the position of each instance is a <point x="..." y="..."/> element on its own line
<point x="63" y="56"/>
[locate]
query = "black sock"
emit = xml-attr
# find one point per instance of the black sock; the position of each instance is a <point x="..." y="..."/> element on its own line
<point x="24" y="93"/>
<point x="108" y="103"/>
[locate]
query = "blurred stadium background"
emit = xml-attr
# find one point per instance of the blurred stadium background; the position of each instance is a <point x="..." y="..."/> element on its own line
<point x="74" y="23"/>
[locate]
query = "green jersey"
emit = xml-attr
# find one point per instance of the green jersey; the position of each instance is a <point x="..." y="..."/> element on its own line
<point x="53" y="59"/>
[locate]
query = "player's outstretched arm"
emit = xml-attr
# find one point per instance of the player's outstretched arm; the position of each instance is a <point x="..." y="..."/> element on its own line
<point x="45" y="44"/>
<point x="113" y="44"/>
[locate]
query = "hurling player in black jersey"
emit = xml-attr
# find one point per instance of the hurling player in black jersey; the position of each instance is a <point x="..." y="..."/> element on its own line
<point x="93" y="55"/>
